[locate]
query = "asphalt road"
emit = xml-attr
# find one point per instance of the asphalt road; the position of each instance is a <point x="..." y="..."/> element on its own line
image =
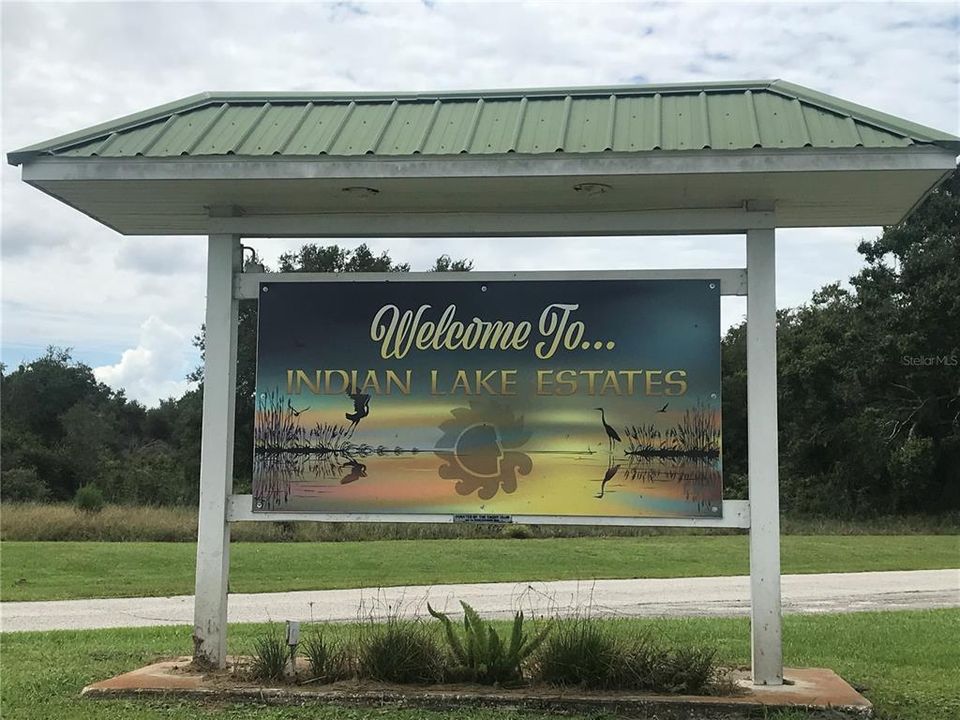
<point x="679" y="597"/>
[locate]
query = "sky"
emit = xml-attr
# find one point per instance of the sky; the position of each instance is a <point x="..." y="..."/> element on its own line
<point x="129" y="307"/>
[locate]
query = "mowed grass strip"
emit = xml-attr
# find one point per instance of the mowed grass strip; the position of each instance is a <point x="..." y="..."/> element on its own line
<point x="903" y="660"/>
<point x="67" y="570"/>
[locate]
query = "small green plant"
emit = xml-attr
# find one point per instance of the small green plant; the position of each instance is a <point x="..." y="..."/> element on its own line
<point x="583" y="652"/>
<point x="269" y="657"/>
<point x="329" y="662"/>
<point x="89" y="498"/>
<point x="688" y="670"/>
<point x="644" y="665"/>
<point x="580" y="652"/>
<point x="400" y="651"/>
<point x="481" y="655"/>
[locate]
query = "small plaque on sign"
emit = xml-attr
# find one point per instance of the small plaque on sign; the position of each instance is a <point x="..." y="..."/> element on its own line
<point x="480" y="518"/>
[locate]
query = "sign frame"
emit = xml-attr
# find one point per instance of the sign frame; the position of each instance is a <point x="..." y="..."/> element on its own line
<point x="732" y="282"/>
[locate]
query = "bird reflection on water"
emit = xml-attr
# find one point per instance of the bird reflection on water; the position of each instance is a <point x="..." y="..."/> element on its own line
<point x="357" y="470"/>
<point x="607" y="477"/>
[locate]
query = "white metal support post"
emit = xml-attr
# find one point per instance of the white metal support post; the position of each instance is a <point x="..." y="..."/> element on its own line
<point x="224" y="260"/>
<point x="762" y="457"/>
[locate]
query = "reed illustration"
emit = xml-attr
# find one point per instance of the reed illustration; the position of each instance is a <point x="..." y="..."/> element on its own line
<point x="279" y="431"/>
<point x="697" y="434"/>
<point x="275" y="473"/>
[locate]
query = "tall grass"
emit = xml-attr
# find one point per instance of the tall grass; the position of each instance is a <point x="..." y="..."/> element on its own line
<point x="582" y="652"/>
<point x="127" y="523"/>
<point x="329" y="660"/>
<point x="400" y="650"/>
<point x="268" y="659"/>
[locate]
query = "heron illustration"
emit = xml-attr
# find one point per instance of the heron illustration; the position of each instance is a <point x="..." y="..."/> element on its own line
<point x="612" y="435"/>
<point x="361" y="408"/>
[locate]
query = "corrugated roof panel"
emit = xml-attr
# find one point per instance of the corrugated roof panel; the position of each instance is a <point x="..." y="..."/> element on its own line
<point x="635" y="129"/>
<point x="228" y="131"/>
<point x="726" y="116"/>
<point x="362" y="130"/>
<point x="728" y="127"/>
<point x="495" y="127"/>
<point x="589" y="126"/>
<point x="184" y="131"/>
<point x="403" y="133"/>
<point x="319" y="128"/>
<point x="772" y="122"/>
<point x="270" y="130"/>
<point x="542" y="126"/>
<point x="123" y="144"/>
<point x="872" y="137"/>
<point x="682" y="123"/>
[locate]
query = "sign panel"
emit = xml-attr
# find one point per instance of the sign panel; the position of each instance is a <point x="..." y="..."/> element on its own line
<point x="486" y="400"/>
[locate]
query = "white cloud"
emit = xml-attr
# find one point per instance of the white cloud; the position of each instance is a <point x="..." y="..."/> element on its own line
<point x="69" y="281"/>
<point x="147" y="371"/>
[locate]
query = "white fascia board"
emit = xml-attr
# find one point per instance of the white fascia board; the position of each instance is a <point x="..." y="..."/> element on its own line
<point x="691" y="221"/>
<point x="471" y="166"/>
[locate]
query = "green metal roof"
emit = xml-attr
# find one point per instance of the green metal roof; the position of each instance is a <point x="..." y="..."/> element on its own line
<point x="768" y="114"/>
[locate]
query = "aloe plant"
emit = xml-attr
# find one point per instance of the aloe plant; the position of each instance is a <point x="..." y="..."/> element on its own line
<point x="480" y="654"/>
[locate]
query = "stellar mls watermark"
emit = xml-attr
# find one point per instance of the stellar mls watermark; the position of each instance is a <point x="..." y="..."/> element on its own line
<point x="951" y="360"/>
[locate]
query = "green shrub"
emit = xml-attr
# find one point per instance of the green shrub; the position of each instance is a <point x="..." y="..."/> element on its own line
<point x="583" y="652"/>
<point x="481" y="655"/>
<point x="400" y="651"/>
<point x="148" y="474"/>
<point x="22" y="484"/>
<point x="268" y="660"/>
<point x="688" y="670"/>
<point x="89" y="498"/>
<point x="579" y="652"/>
<point x="645" y="666"/>
<point x="329" y="662"/>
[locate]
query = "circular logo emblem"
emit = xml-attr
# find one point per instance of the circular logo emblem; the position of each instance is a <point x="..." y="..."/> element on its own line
<point x="479" y="449"/>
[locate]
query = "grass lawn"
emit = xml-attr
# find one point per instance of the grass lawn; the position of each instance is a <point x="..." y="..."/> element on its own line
<point x="906" y="661"/>
<point x="56" y="571"/>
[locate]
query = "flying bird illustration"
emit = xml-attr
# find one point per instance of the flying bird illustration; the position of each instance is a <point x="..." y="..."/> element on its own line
<point x="612" y="435"/>
<point x="361" y="408"/>
<point x="663" y="409"/>
<point x="292" y="409"/>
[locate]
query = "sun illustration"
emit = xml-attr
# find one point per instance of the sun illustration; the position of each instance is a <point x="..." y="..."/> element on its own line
<point x="478" y="449"/>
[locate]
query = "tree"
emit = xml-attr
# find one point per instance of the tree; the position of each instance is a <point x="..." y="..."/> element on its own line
<point x="869" y="382"/>
<point x="42" y="401"/>
<point x="445" y="264"/>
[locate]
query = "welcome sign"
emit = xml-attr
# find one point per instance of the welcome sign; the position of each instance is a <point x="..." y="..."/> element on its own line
<point x="489" y="399"/>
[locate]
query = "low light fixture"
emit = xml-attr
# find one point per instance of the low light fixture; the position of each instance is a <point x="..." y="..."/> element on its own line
<point x="360" y="191"/>
<point x="591" y="189"/>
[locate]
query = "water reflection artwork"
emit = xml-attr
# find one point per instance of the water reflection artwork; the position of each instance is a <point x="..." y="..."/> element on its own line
<point x="619" y="419"/>
<point x="585" y="484"/>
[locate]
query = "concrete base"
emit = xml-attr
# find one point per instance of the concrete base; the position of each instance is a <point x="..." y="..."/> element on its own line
<point x="812" y="689"/>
